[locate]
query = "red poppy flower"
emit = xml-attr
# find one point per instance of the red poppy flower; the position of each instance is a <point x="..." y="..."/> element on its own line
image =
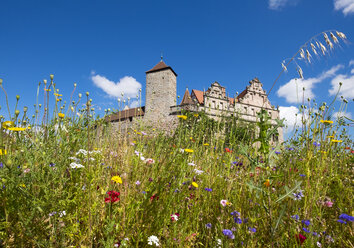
<point x="347" y="148"/>
<point x="154" y="196"/>
<point x="228" y="150"/>
<point x="300" y="238"/>
<point x="113" y="197"/>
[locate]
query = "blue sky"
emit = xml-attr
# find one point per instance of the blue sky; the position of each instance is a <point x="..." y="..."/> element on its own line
<point x="106" y="47"/>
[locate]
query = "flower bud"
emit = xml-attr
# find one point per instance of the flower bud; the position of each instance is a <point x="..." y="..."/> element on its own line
<point x="17" y="97"/>
<point x="0" y="81"/>
<point x="45" y="81"/>
<point x="25" y="109"/>
<point x="51" y="77"/>
<point x="17" y="112"/>
<point x="87" y="93"/>
<point x="80" y="95"/>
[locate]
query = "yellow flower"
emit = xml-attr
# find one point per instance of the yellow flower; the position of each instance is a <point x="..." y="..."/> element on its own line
<point x="58" y="100"/>
<point x="194" y="184"/>
<point x="206" y="144"/>
<point x="8" y="124"/>
<point x="336" y="141"/>
<point x="17" y="129"/>
<point x="196" y="115"/>
<point x="22" y="185"/>
<point x="3" y="151"/>
<point x="324" y="152"/>
<point x="117" y="179"/>
<point x="330" y="136"/>
<point x="267" y="183"/>
<point x="61" y="115"/>
<point x="184" y="117"/>
<point x="47" y="89"/>
<point x="138" y="133"/>
<point x="326" y="121"/>
<point x="188" y="150"/>
<point x="55" y="94"/>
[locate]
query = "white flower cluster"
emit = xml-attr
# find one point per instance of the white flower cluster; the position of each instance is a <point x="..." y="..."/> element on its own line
<point x="74" y="165"/>
<point x="153" y="240"/>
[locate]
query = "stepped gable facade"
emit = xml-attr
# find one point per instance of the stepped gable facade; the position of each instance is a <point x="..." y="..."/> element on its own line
<point x="161" y="101"/>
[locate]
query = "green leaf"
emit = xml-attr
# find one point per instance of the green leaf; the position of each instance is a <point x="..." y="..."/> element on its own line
<point x="289" y="192"/>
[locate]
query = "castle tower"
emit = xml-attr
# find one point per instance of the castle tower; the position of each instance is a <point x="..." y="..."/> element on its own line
<point x="161" y="92"/>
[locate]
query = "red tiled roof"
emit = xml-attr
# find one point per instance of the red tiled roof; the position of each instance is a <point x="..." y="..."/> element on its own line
<point x="199" y="95"/>
<point x="133" y="112"/>
<point x="186" y="98"/>
<point x="159" y="67"/>
<point x="243" y="93"/>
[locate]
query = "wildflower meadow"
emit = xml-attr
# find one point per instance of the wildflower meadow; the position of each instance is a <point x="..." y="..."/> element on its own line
<point x="68" y="178"/>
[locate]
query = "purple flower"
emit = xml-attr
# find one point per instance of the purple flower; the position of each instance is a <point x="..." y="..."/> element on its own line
<point x="51" y="165"/>
<point x="1" y="165"/>
<point x="306" y="222"/>
<point x="306" y="230"/>
<point x="316" y="144"/>
<point x="208" y="225"/>
<point x="252" y="229"/>
<point x="346" y="217"/>
<point x="238" y="220"/>
<point x="302" y="175"/>
<point x="276" y="152"/>
<point x="208" y="189"/>
<point x="235" y="213"/>
<point x="342" y="221"/>
<point x="298" y="195"/>
<point x="295" y="217"/>
<point x="228" y="233"/>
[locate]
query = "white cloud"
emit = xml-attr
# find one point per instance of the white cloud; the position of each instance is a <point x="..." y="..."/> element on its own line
<point x="340" y="114"/>
<point x="127" y="85"/>
<point x="277" y="4"/>
<point x="347" y="88"/>
<point x="134" y="104"/>
<point x="293" y="90"/>
<point x="291" y="115"/>
<point x="346" y="6"/>
<point x="351" y="62"/>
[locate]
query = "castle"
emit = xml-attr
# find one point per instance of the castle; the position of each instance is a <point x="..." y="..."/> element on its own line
<point x="161" y="101"/>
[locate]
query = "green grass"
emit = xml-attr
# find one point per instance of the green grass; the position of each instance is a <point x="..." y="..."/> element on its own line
<point x="38" y="184"/>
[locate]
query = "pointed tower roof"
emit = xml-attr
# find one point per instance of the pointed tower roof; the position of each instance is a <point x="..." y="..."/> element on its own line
<point x="161" y="66"/>
<point x="187" y="99"/>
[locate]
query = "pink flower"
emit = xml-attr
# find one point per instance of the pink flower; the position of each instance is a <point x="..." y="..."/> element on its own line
<point x="328" y="204"/>
<point x="223" y="203"/>
<point x="26" y="170"/>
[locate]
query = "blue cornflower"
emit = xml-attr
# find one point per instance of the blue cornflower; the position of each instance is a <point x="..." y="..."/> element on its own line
<point x="1" y="165"/>
<point x="306" y="230"/>
<point x="228" y="233"/>
<point x="208" y="189"/>
<point x="306" y="222"/>
<point x="342" y="221"/>
<point x="316" y="144"/>
<point x="51" y="165"/>
<point x="235" y="213"/>
<point x="208" y="225"/>
<point x="238" y="220"/>
<point x="144" y="192"/>
<point x="298" y="195"/>
<point x="302" y="175"/>
<point x="252" y="229"/>
<point x="276" y="152"/>
<point x="346" y="217"/>
<point x="295" y="217"/>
